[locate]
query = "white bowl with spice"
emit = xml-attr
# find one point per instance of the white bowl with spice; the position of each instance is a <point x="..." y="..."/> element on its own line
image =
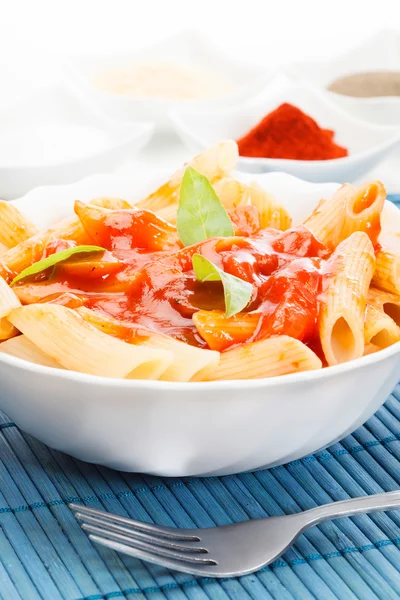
<point x="185" y="70"/>
<point x="311" y="115"/>
<point x="365" y="81"/>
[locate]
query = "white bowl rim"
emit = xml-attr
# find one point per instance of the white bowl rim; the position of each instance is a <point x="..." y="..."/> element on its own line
<point x="371" y="100"/>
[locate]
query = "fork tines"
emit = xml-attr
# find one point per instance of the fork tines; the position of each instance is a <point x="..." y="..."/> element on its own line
<point x="121" y="533"/>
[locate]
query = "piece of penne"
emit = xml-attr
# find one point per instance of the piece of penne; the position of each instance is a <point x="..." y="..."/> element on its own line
<point x="342" y="303"/>
<point x="21" y="347"/>
<point x="220" y="332"/>
<point x="267" y="358"/>
<point x="232" y="193"/>
<point x="111" y="203"/>
<point x="8" y="301"/>
<point x="350" y="209"/>
<point x="168" y="213"/>
<point x="371" y="349"/>
<point x="3" y="248"/>
<point x="14" y="226"/>
<point x="214" y="163"/>
<point x="385" y="301"/>
<point x="189" y="363"/>
<point x="67" y="338"/>
<point x="379" y="328"/>
<point x="387" y="272"/>
<point x="272" y="214"/>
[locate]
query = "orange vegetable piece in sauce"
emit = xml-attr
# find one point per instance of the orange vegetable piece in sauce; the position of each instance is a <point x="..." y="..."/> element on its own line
<point x="126" y="229"/>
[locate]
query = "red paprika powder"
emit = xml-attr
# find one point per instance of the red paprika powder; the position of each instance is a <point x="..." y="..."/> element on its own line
<point x="287" y="132"/>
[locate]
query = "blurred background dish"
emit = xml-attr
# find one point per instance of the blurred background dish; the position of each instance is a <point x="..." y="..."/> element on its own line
<point x="52" y="137"/>
<point x="366" y="144"/>
<point x="365" y="81"/>
<point x="183" y="70"/>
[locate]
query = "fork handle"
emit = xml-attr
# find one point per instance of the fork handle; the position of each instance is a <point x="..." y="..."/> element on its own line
<point x="353" y="506"/>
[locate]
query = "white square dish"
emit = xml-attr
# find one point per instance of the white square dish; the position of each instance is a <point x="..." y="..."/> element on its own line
<point x="380" y="52"/>
<point x="51" y="137"/>
<point x="367" y="144"/>
<point x="188" y="49"/>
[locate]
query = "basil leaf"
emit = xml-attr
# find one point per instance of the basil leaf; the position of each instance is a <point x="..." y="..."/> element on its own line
<point x="236" y="291"/>
<point x="200" y="213"/>
<point x="54" y="259"/>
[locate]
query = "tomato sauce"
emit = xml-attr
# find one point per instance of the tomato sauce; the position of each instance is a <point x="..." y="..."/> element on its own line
<point x="145" y="278"/>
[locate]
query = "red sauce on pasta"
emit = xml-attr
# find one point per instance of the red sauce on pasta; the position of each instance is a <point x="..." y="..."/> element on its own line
<point x="145" y="278"/>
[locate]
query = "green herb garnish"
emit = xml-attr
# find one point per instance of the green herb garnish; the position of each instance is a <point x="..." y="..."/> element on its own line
<point x="237" y="292"/>
<point x="55" y="259"/>
<point x="200" y="213"/>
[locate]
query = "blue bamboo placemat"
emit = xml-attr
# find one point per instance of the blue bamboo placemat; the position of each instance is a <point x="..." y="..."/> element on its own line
<point x="44" y="555"/>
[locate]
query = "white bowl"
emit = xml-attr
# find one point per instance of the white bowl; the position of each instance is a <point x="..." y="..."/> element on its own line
<point x="368" y="144"/>
<point x="178" y="429"/>
<point x="380" y="52"/>
<point x="51" y="137"/>
<point x="187" y="49"/>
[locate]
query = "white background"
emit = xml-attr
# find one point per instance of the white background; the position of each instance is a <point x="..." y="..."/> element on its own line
<point x="269" y="32"/>
<point x="36" y="34"/>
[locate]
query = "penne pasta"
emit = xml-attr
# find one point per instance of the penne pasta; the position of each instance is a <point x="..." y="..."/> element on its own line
<point x="189" y="363"/>
<point x="25" y="253"/>
<point x="296" y="300"/>
<point x="349" y="210"/>
<point x="8" y="301"/>
<point x="214" y="163"/>
<point x="14" y="226"/>
<point x="168" y="213"/>
<point x="3" y="248"/>
<point x="21" y="347"/>
<point x="68" y="339"/>
<point x="220" y="332"/>
<point x="30" y="250"/>
<point x="232" y="193"/>
<point x="272" y="214"/>
<point x="387" y="272"/>
<point x="342" y="304"/>
<point x="267" y="358"/>
<point x="111" y="203"/>
<point x="387" y="302"/>
<point x="379" y="329"/>
<point x="371" y="349"/>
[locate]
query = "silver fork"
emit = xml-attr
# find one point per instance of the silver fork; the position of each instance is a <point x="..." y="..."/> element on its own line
<point x="227" y="551"/>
